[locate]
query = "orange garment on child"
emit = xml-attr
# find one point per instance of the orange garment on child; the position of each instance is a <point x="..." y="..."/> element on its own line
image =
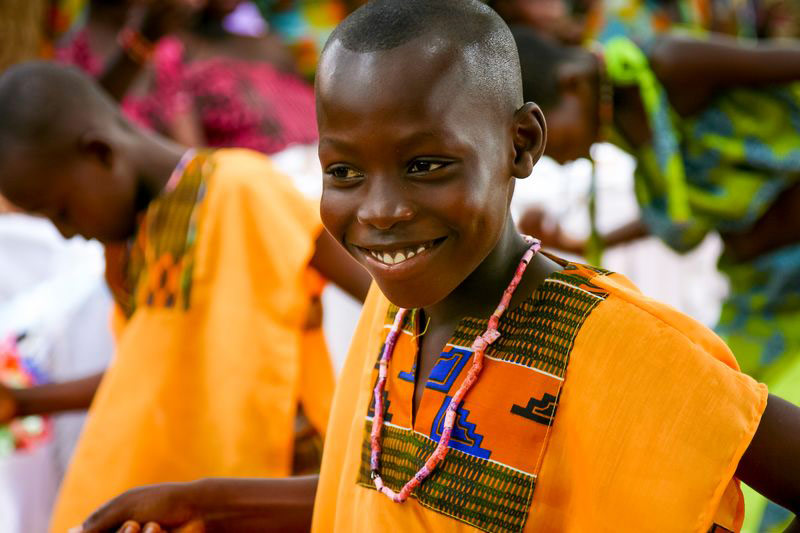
<point x="596" y="410"/>
<point x="215" y="356"/>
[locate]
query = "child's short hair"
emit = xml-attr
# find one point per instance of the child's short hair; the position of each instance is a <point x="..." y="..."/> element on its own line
<point x="470" y="25"/>
<point x="42" y="104"/>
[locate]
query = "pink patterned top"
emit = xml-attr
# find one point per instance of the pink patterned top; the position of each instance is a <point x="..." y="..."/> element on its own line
<point x="239" y="103"/>
<point x="79" y="53"/>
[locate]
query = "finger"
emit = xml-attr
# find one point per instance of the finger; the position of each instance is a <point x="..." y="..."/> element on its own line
<point x="130" y="527"/>
<point x="152" y="527"/>
<point x="195" y="526"/>
<point x="107" y="518"/>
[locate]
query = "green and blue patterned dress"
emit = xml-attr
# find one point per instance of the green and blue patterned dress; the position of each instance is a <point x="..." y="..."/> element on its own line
<point x="721" y="170"/>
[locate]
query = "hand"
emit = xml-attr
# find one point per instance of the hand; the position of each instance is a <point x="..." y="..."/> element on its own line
<point x="9" y="407"/>
<point x="169" y="506"/>
<point x="534" y="222"/>
<point x="152" y="527"/>
<point x="157" y="18"/>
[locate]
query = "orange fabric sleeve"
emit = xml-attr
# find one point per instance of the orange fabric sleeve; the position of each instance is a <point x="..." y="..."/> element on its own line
<point x="653" y="420"/>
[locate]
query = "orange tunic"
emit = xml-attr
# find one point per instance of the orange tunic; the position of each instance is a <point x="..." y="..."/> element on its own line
<point x="596" y="410"/>
<point x="214" y="358"/>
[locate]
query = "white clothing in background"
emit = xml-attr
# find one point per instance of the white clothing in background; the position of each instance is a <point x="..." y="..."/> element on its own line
<point x="52" y="290"/>
<point x="688" y="282"/>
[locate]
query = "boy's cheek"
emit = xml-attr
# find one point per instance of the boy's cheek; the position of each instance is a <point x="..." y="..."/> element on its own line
<point x="333" y="219"/>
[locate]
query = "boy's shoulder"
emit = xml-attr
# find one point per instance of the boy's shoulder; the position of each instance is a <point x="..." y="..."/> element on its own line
<point x="648" y="394"/>
<point x="243" y="179"/>
<point x="584" y="312"/>
<point x="628" y="313"/>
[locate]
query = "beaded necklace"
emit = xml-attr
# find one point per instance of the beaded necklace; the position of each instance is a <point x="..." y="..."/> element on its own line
<point x="479" y="346"/>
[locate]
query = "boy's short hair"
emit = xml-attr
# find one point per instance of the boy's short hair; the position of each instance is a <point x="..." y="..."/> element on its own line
<point x="43" y="104"/>
<point x="475" y="29"/>
<point x="539" y="59"/>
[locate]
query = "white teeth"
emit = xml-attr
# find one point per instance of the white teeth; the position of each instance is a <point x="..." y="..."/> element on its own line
<point x="395" y="258"/>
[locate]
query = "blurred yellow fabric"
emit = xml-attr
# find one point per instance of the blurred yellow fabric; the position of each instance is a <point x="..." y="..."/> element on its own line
<point x="207" y="382"/>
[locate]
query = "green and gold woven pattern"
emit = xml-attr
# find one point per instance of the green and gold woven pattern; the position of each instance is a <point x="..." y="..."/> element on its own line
<point x="486" y="494"/>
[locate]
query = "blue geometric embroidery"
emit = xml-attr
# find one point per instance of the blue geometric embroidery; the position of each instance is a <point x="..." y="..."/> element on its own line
<point x="447" y="368"/>
<point x="408" y="376"/>
<point x="463" y="437"/>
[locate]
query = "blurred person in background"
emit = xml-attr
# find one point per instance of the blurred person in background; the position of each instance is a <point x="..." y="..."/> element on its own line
<point x="642" y="19"/>
<point x="714" y="125"/>
<point x="220" y="367"/>
<point x="305" y="25"/>
<point x="51" y="292"/>
<point x="203" y="85"/>
<point x="213" y="74"/>
<point x="585" y="21"/>
<point x="560" y="19"/>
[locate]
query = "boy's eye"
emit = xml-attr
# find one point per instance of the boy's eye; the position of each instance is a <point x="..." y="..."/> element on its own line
<point x="343" y="173"/>
<point x="423" y="166"/>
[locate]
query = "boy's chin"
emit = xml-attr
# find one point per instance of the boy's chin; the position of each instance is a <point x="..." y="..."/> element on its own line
<point x="409" y="297"/>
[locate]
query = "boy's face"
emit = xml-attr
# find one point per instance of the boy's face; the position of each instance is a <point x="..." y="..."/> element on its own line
<point x="417" y="167"/>
<point x="80" y="194"/>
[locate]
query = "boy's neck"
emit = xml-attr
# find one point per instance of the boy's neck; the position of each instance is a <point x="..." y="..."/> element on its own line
<point x="479" y="294"/>
<point x="155" y="158"/>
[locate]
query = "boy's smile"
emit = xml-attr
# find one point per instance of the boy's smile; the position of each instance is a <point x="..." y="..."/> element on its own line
<point x="417" y="174"/>
<point x="400" y="253"/>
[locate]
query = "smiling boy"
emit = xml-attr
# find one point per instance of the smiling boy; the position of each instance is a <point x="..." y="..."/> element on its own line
<point x="579" y="406"/>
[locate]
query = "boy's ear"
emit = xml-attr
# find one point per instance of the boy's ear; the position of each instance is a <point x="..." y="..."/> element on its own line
<point x="530" y="136"/>
<point x="98" y="146"/>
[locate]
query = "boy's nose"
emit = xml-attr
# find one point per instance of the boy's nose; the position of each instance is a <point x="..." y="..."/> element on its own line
<point x="385" y="213"/>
